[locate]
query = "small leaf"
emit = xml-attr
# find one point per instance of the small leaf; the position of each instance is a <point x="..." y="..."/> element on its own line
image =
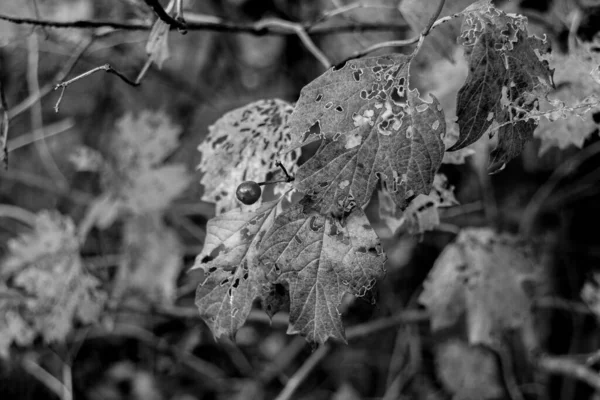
<point x="244" y="145"/>
<point x="235" y="277"/>
<point x="157" y="47"/>
<point x="46" y="266"/>
<point x="491" y="278"/>
<point x="373" y="127"/>
<point x="507" y="73"/>
<point x="320" y="259"/>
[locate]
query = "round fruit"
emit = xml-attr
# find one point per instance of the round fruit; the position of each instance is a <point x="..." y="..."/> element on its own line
<point x="248" y="192"/>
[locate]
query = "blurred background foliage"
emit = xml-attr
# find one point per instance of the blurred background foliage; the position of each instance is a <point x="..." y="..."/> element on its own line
<point x="167" y="352"/>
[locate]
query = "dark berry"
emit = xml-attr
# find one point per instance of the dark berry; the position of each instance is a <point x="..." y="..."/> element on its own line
<point x="248" y="192"/>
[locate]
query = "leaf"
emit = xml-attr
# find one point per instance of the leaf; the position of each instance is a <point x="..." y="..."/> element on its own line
<point x="230" y="258"/>
<point x="422" y="212"/>
<point x="157" y="47"/>
<point x="46" y="267"/>
<point x="152" y="260"/>
<point x="372" y="126"/>
<point x="491" y="278"/>
<point x="134" y="178"/>
<point x="243" y="145"/>
<point x="591" y="295"/>
<point x="456" y="157"/>
<point x="569" y="111"/>
<point x="468" y="372"/>
<point x="507" y="72"/>
<point x="319" y="260"/>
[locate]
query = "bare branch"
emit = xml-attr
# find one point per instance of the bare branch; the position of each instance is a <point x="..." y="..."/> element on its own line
<point x="570" y="368"/>
<point x="4" y="126"/>
<point x="106" y="67"/>
<point x="433" y="18"/>
<point x="195" y="22"/>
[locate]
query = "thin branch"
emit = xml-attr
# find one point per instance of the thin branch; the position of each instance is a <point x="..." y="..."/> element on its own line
<point x="4" y="125"/>
<point x="433" y="18"/>
<point x="570" y="368"/>
<point x="49" y="380"/>
<point x="106" y="67"/>
<point x="165" y="17"/>
<point x="34" y="97"/>
<point x="210" y="23"/>
<point x="302" y="35"/>
<point x="303" y="372"/>
<point x="17" y="213"/>
<point x="49" y="131"/>
<point x="369" y="328"/>
<point x="37" y="120"/>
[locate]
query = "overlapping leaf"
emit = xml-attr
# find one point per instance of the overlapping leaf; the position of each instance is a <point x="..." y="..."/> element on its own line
<point x="45" y="267"/>
<point x="492" y="279"/>
<point x="242" y="145"/>
<point x="507" y="74"/>
<point x="569" y="113"/>
<point x="373" y="126"/>
<point x="319" y="259"/>
<point x="230" y="257"/>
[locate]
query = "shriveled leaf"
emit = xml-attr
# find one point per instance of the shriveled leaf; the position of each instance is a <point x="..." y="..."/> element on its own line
<point x="157" y="47"/>
<point x="46" y="267"/>
<point x="276" y="299"/>
<point x="373" y="126"/>
<point x="491" y="278"/>
<point x="243" y="145"/>
<point x="507" y="75"/>
<point x="230" y="258"/>
<point x="422" y="212"/>
<point x="568" y="115"/>
<point x="134" y="177"/>
<point x="152" y="260"/>
<point x="469" y="372"/>
<point x="319" y="260"/>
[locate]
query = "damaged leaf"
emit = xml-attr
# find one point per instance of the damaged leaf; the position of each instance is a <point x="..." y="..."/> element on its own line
<point x="508" y="73"/>
<point x="319" y="260"/>
<point x="244" y="145"/>
<point x="373" y="127"/>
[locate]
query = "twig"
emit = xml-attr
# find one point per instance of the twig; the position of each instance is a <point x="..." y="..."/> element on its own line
<point x="48" y="131"/>
<point x="106" y="67"/>
<point x="35" y="180"/>
<point x="283" y="360"/>
<point x="37" y="121"/>
<point x="4" y="125"/>
<point x="17" y="213"/>
<point x="165" y="17"/>
<point x="49" y="380"/>
<point x="369" y="328"/>
<point x="396" y="43"/>
<point x="300" y="375"/>
<point x="562" y="304"/>
<point x="34" y="97"/>
<point x="570" y="368"/>
<point x="540" y="196"/>
<point x="302" y="35"/>
<point x="433" y="18"/>
<point x="208" y="23"/>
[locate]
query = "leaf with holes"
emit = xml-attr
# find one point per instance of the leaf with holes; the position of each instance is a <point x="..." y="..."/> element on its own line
<point x="319" y="259"/>
<point x="230" y="258"/>
<point x="373" y="127"/>
<point x="244" y="145"/>
<point x="569" y="115"/>
<point x="508" y="73"/>
<point x="492" y="279"/>
<point x="46" y="268"/>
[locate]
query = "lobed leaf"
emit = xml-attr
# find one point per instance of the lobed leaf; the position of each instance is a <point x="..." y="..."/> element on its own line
<point x="46" y="268"/>
<point x="243" y="145"/>
<point x="235" y="276"/>
<point x="373" y="127"/>
<point x="319" y="259"/>
<point x="507" y="75"/>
